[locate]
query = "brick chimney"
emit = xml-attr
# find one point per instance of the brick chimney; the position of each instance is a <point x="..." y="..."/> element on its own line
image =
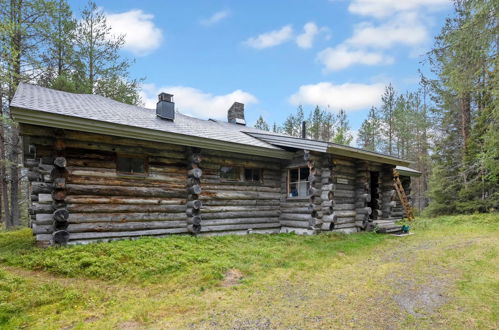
<point x="235" y="115"/>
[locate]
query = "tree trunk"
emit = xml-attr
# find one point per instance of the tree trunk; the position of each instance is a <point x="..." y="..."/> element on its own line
<point x="465" y="119"/>
<point x="3" y="173"/>
<point x="14" y="177"/>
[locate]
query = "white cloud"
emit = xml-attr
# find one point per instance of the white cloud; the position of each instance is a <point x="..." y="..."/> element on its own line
<point x="215" y="18"/>
<point x="342" y="57"/>
<point x="404" y="28"/>
<point x="141" y="35"/>
<point x="194" y="102"/>
<point x="385" y="8"/>
<point x="347" y="96"/>
<point x="306" y="39"/>
<point x="272" y="38"/>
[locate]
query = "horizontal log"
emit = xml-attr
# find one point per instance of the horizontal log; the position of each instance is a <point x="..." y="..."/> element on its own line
<point x="248" y="221"/>
<point x="245" y="214"/>
<point x="239" y="227"/>
<point x="344" y="162"/>
<point x="345" y="213"/>
<point x="114" y="217"/>
<point x="294" y="224"/>
<point x="151" y="232"/>
<point x="240" y="195"/>
<point x="245" y="202"/>
<point x="103" y="190"/>
<point x="45" y="198"/>
<point x="344" y="193"/>
<point x="364" y="210"/>
<point x="346" y="230"/>
<point x="41" y="208"/>
<point x="342" y="207"/>
<point x="330" y="218"/>
<point x="240" y="186"/>
<point x="41" y="187"/>
<point x="116" y="208"/>
<point x="296" y="217"/>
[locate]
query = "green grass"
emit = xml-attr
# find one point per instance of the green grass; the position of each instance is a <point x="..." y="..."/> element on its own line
<point x="151" y="259"/>
<point x="289" y="280"/>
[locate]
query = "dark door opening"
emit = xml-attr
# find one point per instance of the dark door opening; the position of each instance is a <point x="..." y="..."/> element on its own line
<point x="374" y="190"/>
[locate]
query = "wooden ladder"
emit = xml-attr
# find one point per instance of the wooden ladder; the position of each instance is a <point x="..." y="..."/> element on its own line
<point x="402" y="196"/>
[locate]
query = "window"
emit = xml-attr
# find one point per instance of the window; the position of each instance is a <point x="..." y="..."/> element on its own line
<point x="130" y="164"/>
<point x="298" y="182"/>
<point x="253" y="174"/>
<point x="230" y="173"/>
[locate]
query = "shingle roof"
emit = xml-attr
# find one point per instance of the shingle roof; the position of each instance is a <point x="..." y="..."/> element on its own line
<point x="100" y="108"/>
<point x="127" y="119"/>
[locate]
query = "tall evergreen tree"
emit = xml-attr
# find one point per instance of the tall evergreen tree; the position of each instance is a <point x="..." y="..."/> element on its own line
<point x="99" y="64"/>
<point x="388" y="100"/>
<point x="369" y="133"/>
<point x="343" y="135"/>
<point x="23" y="32"/>
<point x="262" y="124"/>
<point x="464" y="60"/>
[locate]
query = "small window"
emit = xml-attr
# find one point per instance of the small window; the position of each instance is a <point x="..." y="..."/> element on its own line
<point x="131" y="164"/>
<point x="253" y="174"/>
<point x="230" y="173"/>
<point x="298" y="183"/>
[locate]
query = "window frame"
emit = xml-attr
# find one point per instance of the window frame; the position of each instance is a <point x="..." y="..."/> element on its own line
<point x="144" y="158"/>
<point x="259" y="169"/>
<point x="289" y="183"/>
<point x="238" y="175"/>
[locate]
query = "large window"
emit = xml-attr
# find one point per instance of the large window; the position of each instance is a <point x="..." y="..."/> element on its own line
<point x="298" y="183"/>
<point x="127" y="164"/>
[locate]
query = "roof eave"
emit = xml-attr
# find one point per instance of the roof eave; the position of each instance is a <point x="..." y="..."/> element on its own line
<point x="409" y="173"/>
<point x="42" y="118"/>
<point x="360" y="154"/>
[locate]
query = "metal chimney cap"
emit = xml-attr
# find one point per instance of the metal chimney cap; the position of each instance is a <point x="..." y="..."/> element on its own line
<point x="165" y="97"/>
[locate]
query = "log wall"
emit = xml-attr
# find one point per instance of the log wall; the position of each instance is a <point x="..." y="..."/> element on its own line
<point x="238" y="206"/>
<point x="79" y="197"/>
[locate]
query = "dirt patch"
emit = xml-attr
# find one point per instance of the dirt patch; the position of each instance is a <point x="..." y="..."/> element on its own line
<point x="129" y="325"/>
<point x="232" y="277"/>
<point x="421" y="300"/>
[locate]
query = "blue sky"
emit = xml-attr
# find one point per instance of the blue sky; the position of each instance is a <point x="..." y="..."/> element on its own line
<point x="274" y="55"/>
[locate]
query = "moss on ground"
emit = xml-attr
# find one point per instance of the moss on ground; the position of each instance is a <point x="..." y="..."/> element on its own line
<point x="445" y="275"/>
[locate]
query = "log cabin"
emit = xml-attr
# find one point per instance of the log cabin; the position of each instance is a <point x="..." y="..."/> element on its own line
<point x="101" y="170"/>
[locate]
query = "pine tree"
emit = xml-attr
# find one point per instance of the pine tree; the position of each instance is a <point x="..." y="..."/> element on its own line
<point x="314" y="124"/>
<point x="387" y="109"/>
<point x="343" y="135"/>
<point x="262" y="124"/>
<point x="464" y="60"/>
<point x="23" y="32"/>
<point x="99" y="64"/>
<point x="369" y="133"/>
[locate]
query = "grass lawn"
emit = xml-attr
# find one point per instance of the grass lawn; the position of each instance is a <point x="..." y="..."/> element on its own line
<point x="446" y="275"/>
